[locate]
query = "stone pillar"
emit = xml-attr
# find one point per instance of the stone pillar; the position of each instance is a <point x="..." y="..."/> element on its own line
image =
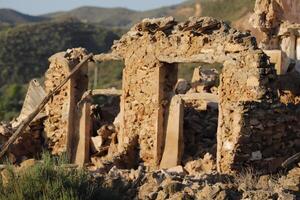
<point x="82" y="135"/>
<point x="298" y="49"/>
<point x="61" y="123"/>
<point x="173" y="148"/>
<point x="279" y="59"/>
<point x="288" y="46"/>
<point x="298" y="55"/>
<point x="146" y="86"/>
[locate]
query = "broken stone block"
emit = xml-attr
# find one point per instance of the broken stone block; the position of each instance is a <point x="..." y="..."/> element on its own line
<point x="173" y="150"/>
<point x="205" y="165"/>
<point x="182" y="86"/>
<point x="204" y="79"/>
<point x="105" y="131"/>
<point x="257" y="155"/>
<point x="177" y="170"/>
<point x="25" y="165"/>
<point x="96" y="143"/>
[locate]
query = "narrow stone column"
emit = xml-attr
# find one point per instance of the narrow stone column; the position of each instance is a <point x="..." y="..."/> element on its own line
<point x="298" y="48"/>
<point x="174" y="135"/>
<point x="146" y="87"/>
<point x="288" y="46"/>
<point x="61" y="124"/>
<point x="82" y="143"/>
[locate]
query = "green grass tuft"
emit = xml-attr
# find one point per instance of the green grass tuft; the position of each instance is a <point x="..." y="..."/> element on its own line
<point x="50" y="180"/>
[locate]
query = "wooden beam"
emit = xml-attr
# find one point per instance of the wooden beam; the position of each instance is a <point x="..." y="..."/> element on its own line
<point x="82" y="149"/>
<point x="173" y="150"/>
<point x="106" y="57"/>
<point x="41" y="106"/>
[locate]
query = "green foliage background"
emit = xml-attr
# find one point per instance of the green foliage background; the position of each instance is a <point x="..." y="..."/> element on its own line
<point x="25" y="49"/>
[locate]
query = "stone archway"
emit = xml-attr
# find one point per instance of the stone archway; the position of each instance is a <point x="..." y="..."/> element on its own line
<point x="151" y="50"/>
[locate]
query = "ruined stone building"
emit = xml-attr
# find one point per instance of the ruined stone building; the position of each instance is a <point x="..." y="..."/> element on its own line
<point x="253" y="127"/>
<point x="164" y="123"/>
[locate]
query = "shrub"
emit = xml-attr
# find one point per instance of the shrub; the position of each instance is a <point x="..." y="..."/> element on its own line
<point x="51" y="180"/>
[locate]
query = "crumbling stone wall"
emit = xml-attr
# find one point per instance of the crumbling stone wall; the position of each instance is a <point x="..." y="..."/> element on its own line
<point x="279" y="23"/>
<point x="270" y="14"/>
<point x="272" y="135"/>
<point x="61" y="122"/>
<point x="146" y="83"/>
<point x="246" y="79"/>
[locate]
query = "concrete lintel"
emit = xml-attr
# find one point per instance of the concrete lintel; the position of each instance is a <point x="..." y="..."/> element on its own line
<point x="173" y="150"/>
<point x="279" y="59"/>
<point x="107" y="57"/>
<point x="82" y="147"/>
<point x="211" y="99"/>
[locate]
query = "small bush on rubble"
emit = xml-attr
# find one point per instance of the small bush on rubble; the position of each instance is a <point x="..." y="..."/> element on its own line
<point x="51" y="180"/>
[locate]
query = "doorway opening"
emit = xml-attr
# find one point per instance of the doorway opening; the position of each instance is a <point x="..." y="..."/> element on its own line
<point x="200" y="109"/>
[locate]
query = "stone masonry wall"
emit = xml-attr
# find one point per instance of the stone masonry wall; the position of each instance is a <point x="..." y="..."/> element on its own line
<point x="154" y="42"/>
<point x="60" y="122"/>
<point x="247" y="80"/>
<point x="271" y="136"/>
<point x="142" y="100"/>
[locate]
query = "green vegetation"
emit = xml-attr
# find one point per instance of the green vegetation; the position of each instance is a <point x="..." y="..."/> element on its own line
<point x="50" y="180"/>
<point x="10" y="100"/>
<point x="229" y="10"/>
<point x="26" y="49"/>
<point x="8" y="16"/>
<point x="109" y="74"/>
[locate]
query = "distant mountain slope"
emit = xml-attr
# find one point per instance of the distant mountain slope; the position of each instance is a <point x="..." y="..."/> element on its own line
<point x="9" y="16"/>
<point x="229" y="10"/>
<point x="116" y="17"/>
<point x="25" y="48"/>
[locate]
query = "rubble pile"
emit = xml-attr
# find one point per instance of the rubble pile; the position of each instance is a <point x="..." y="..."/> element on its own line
<point x="105" y="142"/>
<point x="205" y="80"/>
<point x="177" y="183"/>
<point x="29" y="145"/>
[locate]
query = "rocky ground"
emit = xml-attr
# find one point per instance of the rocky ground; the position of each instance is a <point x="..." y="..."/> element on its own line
<point x="182" y="183"/>
<point x="196" y="179"/>
<point x="177" y="183"/>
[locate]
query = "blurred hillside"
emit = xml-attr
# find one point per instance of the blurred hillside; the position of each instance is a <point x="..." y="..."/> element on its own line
<point x="28" y="41"/>
<point x="25" y="50"/>
<point x="228" y="10"/>
<point x="8" y="16"/>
